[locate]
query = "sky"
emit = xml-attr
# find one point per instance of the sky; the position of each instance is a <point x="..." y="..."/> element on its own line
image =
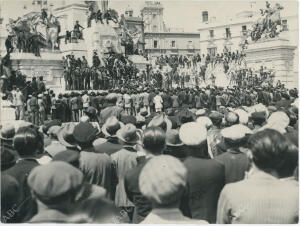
<point x="178" y="14"/>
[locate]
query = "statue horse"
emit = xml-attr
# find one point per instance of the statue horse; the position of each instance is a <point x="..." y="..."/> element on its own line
<point x="111" y="14"/>
<point x="51" y="37"/>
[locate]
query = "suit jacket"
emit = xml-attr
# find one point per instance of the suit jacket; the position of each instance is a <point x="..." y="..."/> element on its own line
<point x="236" y="164"/>
<point x="27" y="206"/>
<point x="98" y="169"/>
<point x="206" y="178"/>
<point x="141" y="203"/>
<point x="124" y="160"/>
<point x="109" y="147"/>
<point x="260" y="199"/>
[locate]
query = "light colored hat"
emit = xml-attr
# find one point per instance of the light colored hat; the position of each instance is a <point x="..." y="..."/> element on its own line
<point x="162" y="179"/>
<point x="159" y="120"/>
<point x="53" y="130"/>
<point x="7" y="132"/>
<point x="243" y="116"/>
<point x="128" y="134"/>
<point x="140" y="118"/>
<point x="236" y="132"/>
<point x="200" y="112"/>
<point x="280" y="118"/>
<point x="40" y="95"/>
<point x="278" y="121"/>
<point x="204" y="121"/>
<point x="84" y="119"/>
<point x="192" y="133"/>
<point x="110" y="123"/>
<point x="172" y="138"/>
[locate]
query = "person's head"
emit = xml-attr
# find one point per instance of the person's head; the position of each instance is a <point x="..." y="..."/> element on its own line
<point x="56" y="185"/>
<point x="273" y="153"/>
<point x="216" y="118"/>
<point x="231" y="118"/>
<point x="258" y="118"/>
<point x="27" y="142"/>
<point x="84" y="134"/>
<point x="154" y="140"/>
<point x="163" y="181"/>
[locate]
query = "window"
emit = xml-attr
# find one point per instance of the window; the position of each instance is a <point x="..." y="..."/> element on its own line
<point x="244" y="30"/>
<point x="212" y="51"/>
<point x="211" y="33"/>
<point x="155" y="44"/>
<point x="154" y="28"/>
<point x="173" y="44"/>
<point x="284" y="25"/>
<point x="204" y="16"/>
<point x="228" y="34"/>
<point x="154" y="16"/>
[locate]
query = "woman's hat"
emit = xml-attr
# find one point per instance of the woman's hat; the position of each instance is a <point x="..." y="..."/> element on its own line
<point x="128" y="134"/>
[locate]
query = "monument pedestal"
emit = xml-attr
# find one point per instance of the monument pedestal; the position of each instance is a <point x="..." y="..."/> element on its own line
<point x="101" y="38"/>
<point x="48" y="65"/>
<point x="77" y="48"/>
<point x="139" y="61"/>
<point x="276" y="54"/>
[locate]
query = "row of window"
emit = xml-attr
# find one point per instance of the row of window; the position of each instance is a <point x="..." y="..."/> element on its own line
<point x="173" y="44"/>
<point x="227" y="33"/>
<point x="244" y="29"/>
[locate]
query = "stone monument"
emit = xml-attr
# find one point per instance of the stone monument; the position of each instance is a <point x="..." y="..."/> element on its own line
<point x="36" y="49"/>
<point x="269" y="49"/>
<point x="101" y="37"/>
<point x="276" y="54"/>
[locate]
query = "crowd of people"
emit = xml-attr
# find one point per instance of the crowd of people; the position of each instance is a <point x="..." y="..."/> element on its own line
<point x="142" y="154"/>
<point x="109" y="72"/>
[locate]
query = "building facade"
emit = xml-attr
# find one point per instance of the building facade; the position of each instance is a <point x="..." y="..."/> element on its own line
<point x="219" y="35"/>
<point x="162" y="40"/>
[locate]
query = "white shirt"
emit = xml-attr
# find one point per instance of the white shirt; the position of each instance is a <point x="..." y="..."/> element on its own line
<point x="86" y="101"/>
<point x="158" y="101"/>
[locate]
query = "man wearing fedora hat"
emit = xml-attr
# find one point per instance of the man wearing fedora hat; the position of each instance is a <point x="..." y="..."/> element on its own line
<point x="109" y="130"/>
<point x="97" y="167"/>
<point x="124" y="160"/>
<point x="174" y="144"/>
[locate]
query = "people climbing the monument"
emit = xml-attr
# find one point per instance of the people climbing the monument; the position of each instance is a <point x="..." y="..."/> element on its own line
<point x="78" y="30"/>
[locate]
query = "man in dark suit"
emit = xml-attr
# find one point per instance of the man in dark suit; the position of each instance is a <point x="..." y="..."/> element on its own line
<point x="20" y="171"/>
<point x="206" y="177"/>
<point x="153" y="144"/>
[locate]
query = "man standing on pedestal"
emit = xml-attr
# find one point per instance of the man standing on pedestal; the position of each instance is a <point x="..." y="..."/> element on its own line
<point x="96" y="60"/>
<point x="77" y="31"/>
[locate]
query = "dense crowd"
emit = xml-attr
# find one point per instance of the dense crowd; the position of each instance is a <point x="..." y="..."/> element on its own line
<point x="141" y="154"/>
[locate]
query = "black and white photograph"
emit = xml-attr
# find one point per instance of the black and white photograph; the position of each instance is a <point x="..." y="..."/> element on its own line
<point x="149" y="112"/>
